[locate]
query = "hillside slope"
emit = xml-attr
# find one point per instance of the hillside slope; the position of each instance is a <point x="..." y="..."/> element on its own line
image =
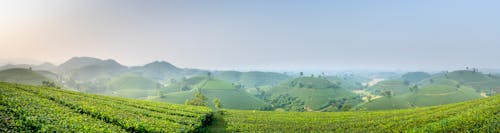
<point x="230" y="95"/>
<point x="23" y="76"/>
<point x="38" y="109"/>
<point x="317" y="93"/>
<point x="473" y="116"/>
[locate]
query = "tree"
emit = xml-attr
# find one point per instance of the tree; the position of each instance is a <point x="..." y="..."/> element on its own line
<point x="414" y="88"/>
<point x="198" y="100"/>
<point x="369" y="98"/>
<point x="217" y="103"/>
<point x="209" y="74"/>
<point x="48" y="84"/>
<point x="162" y="95"/>
<point x="301" y="74"/>
<point x="387" y="94"/>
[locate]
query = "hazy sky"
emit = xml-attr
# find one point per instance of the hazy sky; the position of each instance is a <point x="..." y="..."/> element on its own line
<point x="237" y="34"/>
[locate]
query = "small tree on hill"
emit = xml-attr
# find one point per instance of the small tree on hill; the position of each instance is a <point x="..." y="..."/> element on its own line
<point x="209" y="74"/>
<point x="413" y="88"/>
<point x="48" y="84"/>
<point x="217" y="103"/>
<point x="301" y="74"/>
<point x="198" y="100"/>
<point x="387" y="94"/>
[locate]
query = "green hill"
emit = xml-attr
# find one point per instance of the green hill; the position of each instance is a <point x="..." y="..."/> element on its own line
<point x="38" y="109"/>
<point x="25" y="108"/>
<point x="348" y="83"/>
<point x="483" y="83"/>
<point x="230" y="95"/>
<point x="23" y="76"/>
<point x="386" y="103"/>
<point x="431" y="95"/>
<point x="130" y="85"/>
<point x="471" y="116"/>
<point x="317" y="93"/>
<point x="414" y="77"/>
<point x="397" y="87"/>
<point x="439" y="93"/>
<point x="252" y="78"/>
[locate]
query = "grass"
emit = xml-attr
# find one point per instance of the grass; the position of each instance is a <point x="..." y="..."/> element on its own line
<point x="472" y="116"/>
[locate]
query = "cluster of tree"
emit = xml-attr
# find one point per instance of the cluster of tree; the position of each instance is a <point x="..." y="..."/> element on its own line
<point x="387" y="94"/>
<point x="201" y="100"/>
<point x="285" y="102"/>
<point x="50" y="84"/>
<point x="345" y="104"/>
<point x="198" y="100"/>
<point x="413" y="88"/>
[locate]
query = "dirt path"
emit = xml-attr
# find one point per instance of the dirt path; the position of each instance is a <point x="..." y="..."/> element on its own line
<point x="373" y="82"/>
<point x="365" y="95"/>
<point x="483" y="94"/>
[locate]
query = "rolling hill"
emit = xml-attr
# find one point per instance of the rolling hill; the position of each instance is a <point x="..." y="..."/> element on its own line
<point x="397" y="87"/>
<point x="482" y="83"/>
<point x="432" y="95"/>
<point x="134" y="86"/>
<point x="23" y="76"/>
<point x="41" y="109"/>
<point x="438" y="93"/>
<point x="230" y="95"/>
<point x="317" y="93"/>
<point x="414" y="77"/>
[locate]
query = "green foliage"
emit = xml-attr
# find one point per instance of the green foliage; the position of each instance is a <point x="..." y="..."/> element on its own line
<point x="217" y="103"/>
<point x="286" y="102"/>
<point x="472" y="116"/>
<point x="45" y="109"/>
<point x="49" y="84"/>
<point x="198" y="100"/>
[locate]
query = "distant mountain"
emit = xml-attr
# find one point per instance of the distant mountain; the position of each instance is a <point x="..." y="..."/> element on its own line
<point x="22" y="76"/>
<point x="161" y="70"/>
<point x="88" y="68"/>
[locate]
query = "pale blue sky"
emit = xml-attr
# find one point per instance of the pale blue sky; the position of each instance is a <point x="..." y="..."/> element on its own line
<point x="234" y="34"/>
